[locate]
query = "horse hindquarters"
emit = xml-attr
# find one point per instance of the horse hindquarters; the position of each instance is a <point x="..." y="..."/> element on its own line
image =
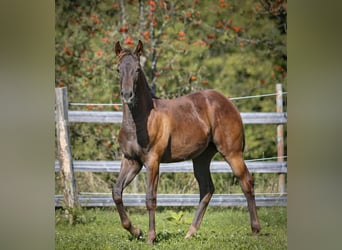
<point x="228" y="137"/>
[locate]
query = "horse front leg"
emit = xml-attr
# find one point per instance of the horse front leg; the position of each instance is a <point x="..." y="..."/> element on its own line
<point x="151" y="198"/>
<point x="129" y="169"/>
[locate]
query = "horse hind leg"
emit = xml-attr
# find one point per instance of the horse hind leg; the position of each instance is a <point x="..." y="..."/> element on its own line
<point x="129" y="169"/>
<point x="201" y="166"/>
<point x="246" y="182"/>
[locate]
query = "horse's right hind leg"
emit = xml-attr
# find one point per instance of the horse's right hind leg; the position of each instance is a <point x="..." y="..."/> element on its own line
<point x="129" y="169"/>
<point x="202" y="174"/>
<point x="246" y="181"/>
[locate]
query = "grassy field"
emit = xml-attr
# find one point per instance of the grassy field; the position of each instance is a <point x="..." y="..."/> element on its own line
<point x="222" y="228"/>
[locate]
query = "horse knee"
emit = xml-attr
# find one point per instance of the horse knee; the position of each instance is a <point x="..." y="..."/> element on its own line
<point x="249" y="180"/>
<point x="247" y="183"/>
<point x="205" y="199"/>
<point x="205" y="190"/>
<point x="211" y="188"/>
<point x="241" y="172"/>
<point x="151" y="203"/>
<point x="117" y="195"/>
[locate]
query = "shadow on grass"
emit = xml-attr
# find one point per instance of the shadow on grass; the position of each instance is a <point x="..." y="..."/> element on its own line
<point x="165" y="236"/>
<point x="161" y="237"/>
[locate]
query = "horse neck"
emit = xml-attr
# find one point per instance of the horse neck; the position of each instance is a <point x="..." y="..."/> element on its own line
<point x="135" y="115"/>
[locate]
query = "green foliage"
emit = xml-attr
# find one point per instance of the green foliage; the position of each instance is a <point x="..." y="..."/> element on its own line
<point x="72" y="215"/>
<point x="222" y="228"/>
<point x="235" y="47"/>
<point x="177" y="218"/>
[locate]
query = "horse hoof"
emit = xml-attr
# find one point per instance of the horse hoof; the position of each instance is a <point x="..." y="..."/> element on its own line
<point x="138" y="234"/>
<point x="255" y="231"/>
<point x="151" y="237"/>
<point x="150" y="241"/>
<point x="192" y="230"/>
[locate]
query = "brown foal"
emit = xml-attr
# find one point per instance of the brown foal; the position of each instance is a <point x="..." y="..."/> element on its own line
<point x="195" y="126"/>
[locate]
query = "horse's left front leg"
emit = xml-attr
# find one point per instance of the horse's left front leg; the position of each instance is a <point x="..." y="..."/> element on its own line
<point x="152" y="170"/>
<point x="129" y="169"/>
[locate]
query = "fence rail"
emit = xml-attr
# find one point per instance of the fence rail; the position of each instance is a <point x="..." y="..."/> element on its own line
<point x="179" y="167"/>
<point x="116" y="117"/>
<point x="105" y="200"/>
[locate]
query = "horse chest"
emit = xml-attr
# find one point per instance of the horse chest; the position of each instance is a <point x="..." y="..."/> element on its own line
<point x="129" y="144"/>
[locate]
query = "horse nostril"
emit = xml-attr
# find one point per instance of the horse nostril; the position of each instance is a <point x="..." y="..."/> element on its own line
<point x="127" y="95"/>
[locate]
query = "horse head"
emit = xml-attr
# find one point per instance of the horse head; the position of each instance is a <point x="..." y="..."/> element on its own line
<point x="129" y="69"/>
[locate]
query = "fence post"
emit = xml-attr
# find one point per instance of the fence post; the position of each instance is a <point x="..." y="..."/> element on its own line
<point x="280" y="136"/>
<point x="64" y="148"/>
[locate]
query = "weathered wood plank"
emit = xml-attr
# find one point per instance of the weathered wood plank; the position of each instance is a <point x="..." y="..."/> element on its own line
<point x="64" y="147"/>
<point x="116" y="117"/>
<point x="262" y="200"/>
<point x="184" y="167"/>
<point x="280" y="137"/>
<point x="95" y="116"/>
<point x="264" y="118"/>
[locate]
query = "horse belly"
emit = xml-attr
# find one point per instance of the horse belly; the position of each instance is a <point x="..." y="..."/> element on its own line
<point x="185" y="146"/>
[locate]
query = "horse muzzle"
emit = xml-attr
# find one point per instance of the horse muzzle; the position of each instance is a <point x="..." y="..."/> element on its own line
<point x="127" y="96"/>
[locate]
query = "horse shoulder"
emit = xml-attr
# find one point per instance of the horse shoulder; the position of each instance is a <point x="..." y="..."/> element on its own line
<point x="158" y="125"/>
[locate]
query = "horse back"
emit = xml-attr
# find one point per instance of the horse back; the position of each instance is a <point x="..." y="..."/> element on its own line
<point x="208" y="105"/>
<point x="184" y="126"/>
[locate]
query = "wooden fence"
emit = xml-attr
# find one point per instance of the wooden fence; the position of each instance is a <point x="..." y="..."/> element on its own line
<point x="279" y="166"/>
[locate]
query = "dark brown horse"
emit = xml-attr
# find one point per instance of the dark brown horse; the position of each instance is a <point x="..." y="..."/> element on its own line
<point x="195" y="126"/>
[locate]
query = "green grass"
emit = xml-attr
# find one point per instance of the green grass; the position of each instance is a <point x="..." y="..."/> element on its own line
<point x="222" y="228"/>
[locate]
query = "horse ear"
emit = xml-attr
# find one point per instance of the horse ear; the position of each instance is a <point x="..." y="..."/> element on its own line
<point x="118" y="48"/>
<point x="139" y="50"/>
